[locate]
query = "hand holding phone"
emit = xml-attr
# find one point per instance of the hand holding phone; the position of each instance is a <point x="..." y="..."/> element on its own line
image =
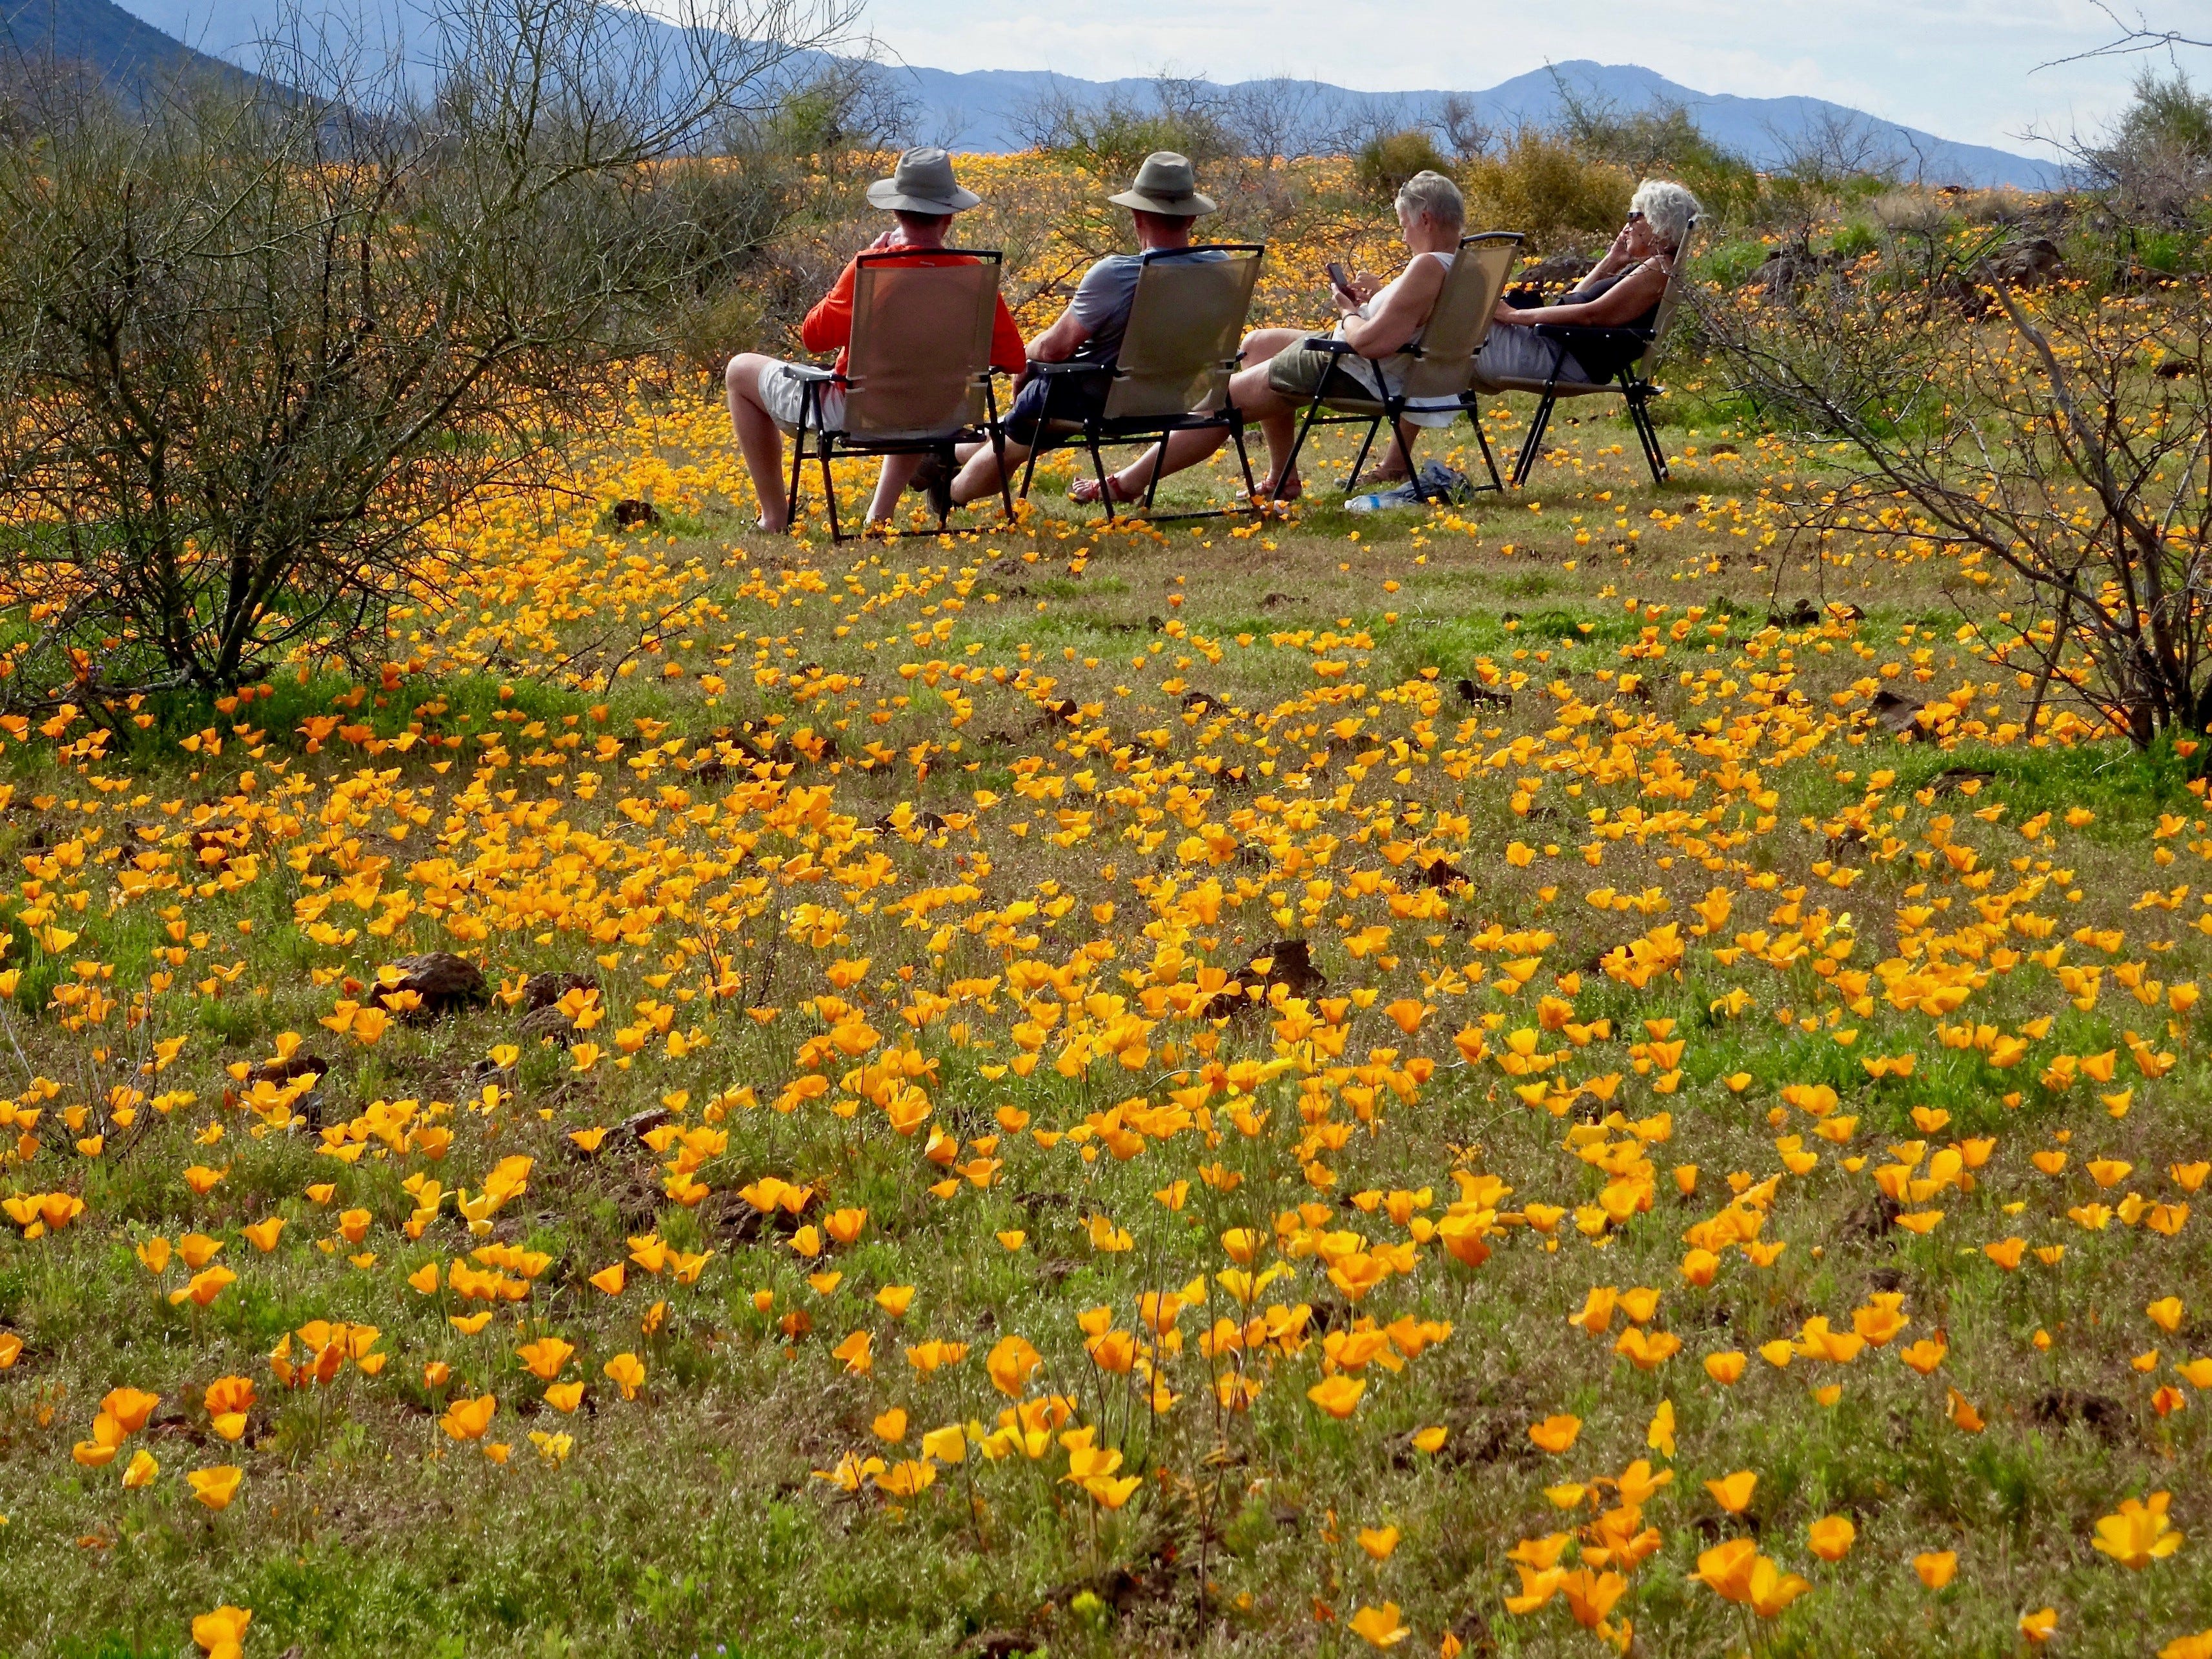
<point x="1340" y="280"/>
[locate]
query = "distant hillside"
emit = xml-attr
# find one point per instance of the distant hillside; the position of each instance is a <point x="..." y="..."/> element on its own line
<point x="978" y="110"/>
<point x="104" y="40"/>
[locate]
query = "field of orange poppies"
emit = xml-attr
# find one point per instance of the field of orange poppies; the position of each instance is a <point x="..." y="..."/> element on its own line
<point x="1524" y="1079"/>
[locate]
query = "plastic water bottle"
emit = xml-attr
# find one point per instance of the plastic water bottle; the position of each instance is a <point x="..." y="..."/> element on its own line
<point x="1402" y="495"/>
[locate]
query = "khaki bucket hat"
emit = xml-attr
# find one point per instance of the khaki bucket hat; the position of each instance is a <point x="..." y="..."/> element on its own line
<point x="1167" y="184"/>
<point x="922" y="183"/>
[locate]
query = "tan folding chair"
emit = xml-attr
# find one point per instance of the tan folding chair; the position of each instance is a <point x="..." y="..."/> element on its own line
<point x="1438" y="364"/>
<point x="1626" y="349"/>
<point x="918" y="369"/>
<point x="1172" y="373"/>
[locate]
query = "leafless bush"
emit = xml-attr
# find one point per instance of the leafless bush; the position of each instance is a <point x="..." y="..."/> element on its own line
<point x="1835" y="148"/>
<point x="257" y="341"/>
<point x="1110" y="136"/>
<point x="1459" y="123"/>
<point x="1919" y="212"/>
<point x="2067" y="440"/>
<point x="2155" y="163"/>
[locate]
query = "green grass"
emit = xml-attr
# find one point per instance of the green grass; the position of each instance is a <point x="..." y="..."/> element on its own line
<point x="690" y="1521"/>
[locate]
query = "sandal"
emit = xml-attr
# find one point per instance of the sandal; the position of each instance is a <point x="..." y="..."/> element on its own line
<point x="1085" y="491"/>
<point x="933" y="478"/>
<point x="1289" y="490"/>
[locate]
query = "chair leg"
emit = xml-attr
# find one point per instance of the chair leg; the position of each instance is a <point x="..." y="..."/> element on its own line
<point x="1099" y="467"/>
<point x="1152" y="483"/>
<point x="1404" y="446"/>
<point x="1655" y="453"/>
<point x="1243" y="458"/>
<point x="791" y="497"/>
<point x="997" y="438"/>
<point x="1291" y="461"/>
<point x="946" y="456"/>
<point x="1006" y="484"/>
<point x="1352" y="478"/>
<point x="1533" y="445"/>
<point x="1036" y="440"/>
<point x="829" y="486"/>
<point x="1489" y="460"/>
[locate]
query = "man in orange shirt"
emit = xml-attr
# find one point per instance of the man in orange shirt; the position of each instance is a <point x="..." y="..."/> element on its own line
<point x="764" y="394"/>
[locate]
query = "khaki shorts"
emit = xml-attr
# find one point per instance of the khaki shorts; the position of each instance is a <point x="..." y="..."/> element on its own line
<point x="783" y="392"/>
<point x="1296" y="372"/>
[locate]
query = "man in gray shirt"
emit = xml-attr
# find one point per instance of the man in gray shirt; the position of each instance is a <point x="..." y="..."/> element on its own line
<point x="1164" y="203"/>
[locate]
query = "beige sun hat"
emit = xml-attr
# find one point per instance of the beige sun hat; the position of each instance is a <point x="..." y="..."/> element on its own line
<point x="922" y="183"/>
<point x="1166" y="184"/>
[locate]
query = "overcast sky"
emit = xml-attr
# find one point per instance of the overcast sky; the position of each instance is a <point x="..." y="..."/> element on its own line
<point x="1960" y="68"/>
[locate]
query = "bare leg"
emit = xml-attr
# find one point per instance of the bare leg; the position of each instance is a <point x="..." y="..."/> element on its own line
<point x="1400" y="464"/>
<point x="758" y="436"/>
<point x="979" y="476"/>
<point x="1185" y="449"/>
<point x="891" y="483"/>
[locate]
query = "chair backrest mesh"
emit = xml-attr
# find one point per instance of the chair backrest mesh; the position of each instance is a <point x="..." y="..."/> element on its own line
<point x="921" y="345"/>
<point x="1184" y="325"/>
<point x="1461" y="319"/>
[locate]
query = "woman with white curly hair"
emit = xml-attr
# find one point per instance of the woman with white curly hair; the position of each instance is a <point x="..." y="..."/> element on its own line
<point x="1623" y="291"/>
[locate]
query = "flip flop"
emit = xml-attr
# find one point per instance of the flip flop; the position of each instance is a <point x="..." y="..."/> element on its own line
<point x="1076" y="492"/>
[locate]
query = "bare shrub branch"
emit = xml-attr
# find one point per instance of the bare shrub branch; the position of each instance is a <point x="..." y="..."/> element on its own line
<point x="262" y="337"/>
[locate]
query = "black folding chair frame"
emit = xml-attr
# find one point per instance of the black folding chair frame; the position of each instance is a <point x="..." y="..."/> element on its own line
<point x="1394" y="411"/>
<point x="829" y="445"/>
<point x="1094" y="431"/>
<point x="1635" y="388"/>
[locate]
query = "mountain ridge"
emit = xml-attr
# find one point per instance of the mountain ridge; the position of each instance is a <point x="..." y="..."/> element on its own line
<point x="110" y="43"/>
<point x="978" y="109"/>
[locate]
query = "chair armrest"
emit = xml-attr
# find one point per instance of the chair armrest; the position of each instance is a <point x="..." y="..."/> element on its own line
<point x="1337" y="348"/>
<point x="810" y="372"/>
<point x="1568" y="333"/>
<point x="1067" y="368"/>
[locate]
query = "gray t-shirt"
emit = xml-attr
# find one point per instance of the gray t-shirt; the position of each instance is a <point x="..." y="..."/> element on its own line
<point x="1104" y="298"/>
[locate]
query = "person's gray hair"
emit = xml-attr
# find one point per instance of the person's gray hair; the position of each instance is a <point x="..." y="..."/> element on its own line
<point x="1667" y="208"/>
<point x="1431" y="193"/>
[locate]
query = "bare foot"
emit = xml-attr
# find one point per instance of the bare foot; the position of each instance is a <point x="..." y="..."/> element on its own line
<point x="1282" y="489"/>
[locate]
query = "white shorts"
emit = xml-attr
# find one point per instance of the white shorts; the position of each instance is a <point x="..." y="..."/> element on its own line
<point x="782" y="392"/>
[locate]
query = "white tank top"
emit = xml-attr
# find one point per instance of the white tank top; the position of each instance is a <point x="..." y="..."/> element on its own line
<point x="1392" y="369"/>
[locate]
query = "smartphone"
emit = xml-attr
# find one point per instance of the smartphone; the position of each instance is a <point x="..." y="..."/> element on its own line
<point x="1339" y="278"/>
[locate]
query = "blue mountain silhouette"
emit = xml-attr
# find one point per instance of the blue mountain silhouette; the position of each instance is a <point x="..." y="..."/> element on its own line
<point x="980" y="109"/>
